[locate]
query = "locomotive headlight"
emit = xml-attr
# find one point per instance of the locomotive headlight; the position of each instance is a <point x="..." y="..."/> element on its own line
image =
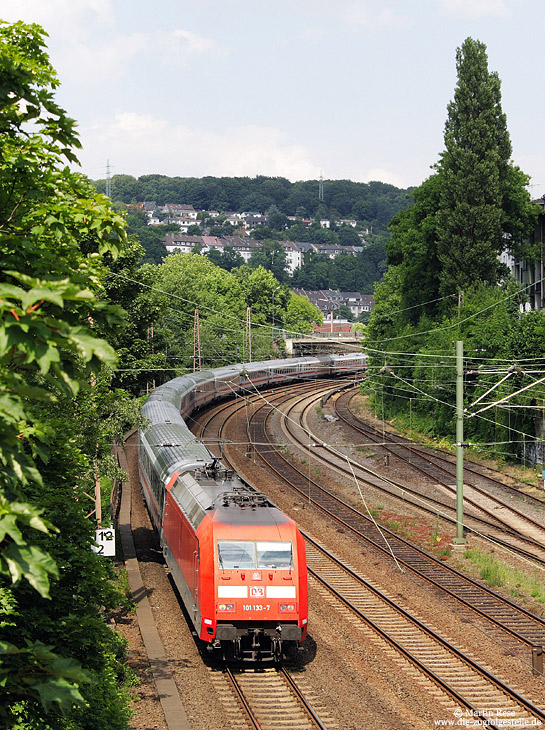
<point x="226" y="607"/>
<point x="288" y="607"/>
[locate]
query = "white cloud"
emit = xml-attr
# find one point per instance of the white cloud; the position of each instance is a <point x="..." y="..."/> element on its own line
<point x="373" y="14"/>
<point x="80" y="62"/>
<point x="58" y="13"/>
<point x="476" y="8"/>
<point x="181" y="45"/>
<point x="386" y="176"/>
<point x="85" y="44"/>
<point x="92" y="60"/>
<point x="140" y="144"/>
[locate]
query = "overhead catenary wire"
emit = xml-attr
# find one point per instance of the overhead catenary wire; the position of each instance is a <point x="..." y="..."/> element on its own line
<point x="430" y="397"/>
<point x="255" y="391"/>
<point x="411" y="387"/>
<point x="461" y="321"/>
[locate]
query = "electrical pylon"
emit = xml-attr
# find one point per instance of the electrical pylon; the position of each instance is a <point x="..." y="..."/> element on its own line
<point x="108" y="180"/>
<point x="249" y="332"/>
<point x="196" y="342"/>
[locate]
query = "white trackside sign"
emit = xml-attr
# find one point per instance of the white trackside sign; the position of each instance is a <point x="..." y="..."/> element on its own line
<point x="105" y="538"/>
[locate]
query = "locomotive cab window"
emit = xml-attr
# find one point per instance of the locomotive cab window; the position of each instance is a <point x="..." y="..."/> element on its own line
<point x="247" y="555"/>
<point x="274" y="555"/>
<point x="233" y="554"/>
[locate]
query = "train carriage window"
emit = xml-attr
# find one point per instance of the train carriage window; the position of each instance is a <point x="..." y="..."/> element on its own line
<point x="233" y="554"/>
<point x="274" y="555"/>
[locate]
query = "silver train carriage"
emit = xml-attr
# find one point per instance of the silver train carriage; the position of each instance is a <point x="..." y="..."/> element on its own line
<point x="170" y="404"/>
<point x="196" y="505"/>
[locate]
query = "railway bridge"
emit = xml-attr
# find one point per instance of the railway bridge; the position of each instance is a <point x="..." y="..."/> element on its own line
<point x="320" y="343"/>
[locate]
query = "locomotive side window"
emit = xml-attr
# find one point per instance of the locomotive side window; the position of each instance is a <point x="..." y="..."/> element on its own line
<point x="274" y="555"/>
<point x="233" y="554"/>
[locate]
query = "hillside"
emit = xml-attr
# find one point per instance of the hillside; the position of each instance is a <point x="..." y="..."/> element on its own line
<point x="372" y="204"/>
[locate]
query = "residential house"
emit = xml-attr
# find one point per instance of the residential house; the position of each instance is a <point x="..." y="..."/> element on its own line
<point x="242" y="245"/>
<point x="332" y="250"/>
<point x="329" y="300"/>
<point x="149" y="207"/>
<point x="179" y="243"/>
<point x="253" y="220"/>
<point x="183" y="211"/>
<point x="531" y="274"/>
<point x="294" y="255"/>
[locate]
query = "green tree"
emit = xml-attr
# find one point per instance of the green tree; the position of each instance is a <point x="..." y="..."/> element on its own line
<point x="57" y="657"/>
<point x="151" y="237"/>
<point x="483" y="204"/>
<point x="301" y="314"/>
<point x="344" y="312"/>
<point x="278" y="221"/>
<point x="271" y="256"/>
<point x="348" y="236"/>
<point x="184" y="283"/>
<point x="375" y="203"/>
<point x="216" y="257"/>
<point x="138" y="344"/>
<point x="262" y="233"/>
<point x="264" y="294"/>
<point x="466" y="213"/>
<point x="227" y="259"/>
<point x="413" y="249"/>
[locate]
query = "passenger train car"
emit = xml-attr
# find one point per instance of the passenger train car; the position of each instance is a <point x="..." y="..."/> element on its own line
<point x="238" y="562"/>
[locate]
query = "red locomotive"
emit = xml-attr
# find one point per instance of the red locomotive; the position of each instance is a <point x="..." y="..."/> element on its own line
<point x="239" y="563"/>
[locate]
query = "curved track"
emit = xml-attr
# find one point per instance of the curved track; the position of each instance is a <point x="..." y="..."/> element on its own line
<point x="468" y="684"/>
<point x="520" y="623"/>
<point x="445" y="462"/>
<point x="514" y="529"/>
<point x="441" y="468"/>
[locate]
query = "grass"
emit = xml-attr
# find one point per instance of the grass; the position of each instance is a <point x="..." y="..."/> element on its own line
<point x="121" y="584"/>
<point x="419" y="531"/>
<point x="365" y="450"/>
<point x="498" y="573"/>
<point x="375" y="511"/>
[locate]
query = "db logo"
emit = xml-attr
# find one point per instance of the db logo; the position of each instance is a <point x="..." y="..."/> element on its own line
<point x="257" y="592"/>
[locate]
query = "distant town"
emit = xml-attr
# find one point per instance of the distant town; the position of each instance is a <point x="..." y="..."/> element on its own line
<point x="330" y="302"/>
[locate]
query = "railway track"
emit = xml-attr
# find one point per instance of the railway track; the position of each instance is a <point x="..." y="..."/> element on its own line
<point x="515" y="530"/>
<point x="442" y="469"/>
<point x="447" y="582"/>
<point x="268" y="699"/>
<point x="214" y="438"/>
<point x="485" y="697"/>
<point x="444" y="461"/>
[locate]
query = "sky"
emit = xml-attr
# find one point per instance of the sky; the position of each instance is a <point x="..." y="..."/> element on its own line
<point x="351" y="89"/>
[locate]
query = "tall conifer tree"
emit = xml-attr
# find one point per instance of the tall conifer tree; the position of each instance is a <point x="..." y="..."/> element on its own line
<point x="483" y="206"/>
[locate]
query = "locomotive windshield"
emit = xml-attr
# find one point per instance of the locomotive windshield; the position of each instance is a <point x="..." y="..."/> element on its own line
<point x="247" y="555"/>
<point x="274" y="555"/>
